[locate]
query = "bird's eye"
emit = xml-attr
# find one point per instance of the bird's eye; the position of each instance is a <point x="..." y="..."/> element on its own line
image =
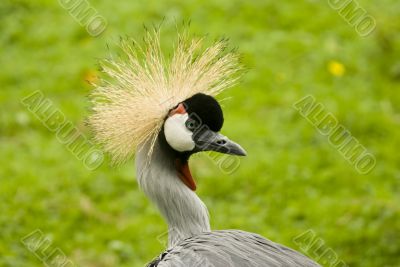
<point x="191" y="124"/>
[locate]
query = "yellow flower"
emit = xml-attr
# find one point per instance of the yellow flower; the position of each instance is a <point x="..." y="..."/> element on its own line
<point x="336" y="68"/>
<point x="90" y="76"/>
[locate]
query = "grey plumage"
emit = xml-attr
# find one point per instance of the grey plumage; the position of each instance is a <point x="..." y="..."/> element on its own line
<point x="231" y="248"/>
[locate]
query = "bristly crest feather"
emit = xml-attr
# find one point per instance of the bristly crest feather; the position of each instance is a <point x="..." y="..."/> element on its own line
<point x="132" y="102"/>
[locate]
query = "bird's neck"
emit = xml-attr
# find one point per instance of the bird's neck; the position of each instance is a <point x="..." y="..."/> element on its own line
<point x="183" y="210"/>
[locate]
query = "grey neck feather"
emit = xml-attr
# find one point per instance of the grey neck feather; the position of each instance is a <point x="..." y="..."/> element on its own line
<point x="183" y="210"/>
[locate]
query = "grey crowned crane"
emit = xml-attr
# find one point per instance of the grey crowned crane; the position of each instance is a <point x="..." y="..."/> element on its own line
<point x="164" y="110"/>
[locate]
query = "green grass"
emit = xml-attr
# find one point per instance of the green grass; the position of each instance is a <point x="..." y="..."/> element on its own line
<point x="292" y="180"/>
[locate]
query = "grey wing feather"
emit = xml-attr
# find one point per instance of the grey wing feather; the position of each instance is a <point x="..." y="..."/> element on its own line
<point x="231" y="248"/>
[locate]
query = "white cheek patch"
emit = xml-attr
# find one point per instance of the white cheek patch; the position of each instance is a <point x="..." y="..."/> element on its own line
<point x="176" y="133"/>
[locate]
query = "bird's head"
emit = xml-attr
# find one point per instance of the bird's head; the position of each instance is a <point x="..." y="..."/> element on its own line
<point x="193" y="126"/>
<point x="132" y="105"/>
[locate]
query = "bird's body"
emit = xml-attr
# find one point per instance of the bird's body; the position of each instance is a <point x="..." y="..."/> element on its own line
<point x="165" y="113"/>
<point x="230" y="248"/>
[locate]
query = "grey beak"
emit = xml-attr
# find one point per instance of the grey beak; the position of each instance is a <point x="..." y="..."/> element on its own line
<point x="207" y="140"/>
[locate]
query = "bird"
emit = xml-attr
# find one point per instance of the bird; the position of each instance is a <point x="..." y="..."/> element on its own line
<point x="162" y="110"/>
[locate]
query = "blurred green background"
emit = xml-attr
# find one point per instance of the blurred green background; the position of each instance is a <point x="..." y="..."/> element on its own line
<point x="291" y="181"/>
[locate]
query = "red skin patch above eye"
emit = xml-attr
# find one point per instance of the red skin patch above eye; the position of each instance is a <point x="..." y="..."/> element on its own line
<point x="180" y="109"/>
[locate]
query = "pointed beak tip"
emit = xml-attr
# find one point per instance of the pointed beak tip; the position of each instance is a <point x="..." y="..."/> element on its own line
<point x="237" y="150"/>
<point x="242" y="153"/>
